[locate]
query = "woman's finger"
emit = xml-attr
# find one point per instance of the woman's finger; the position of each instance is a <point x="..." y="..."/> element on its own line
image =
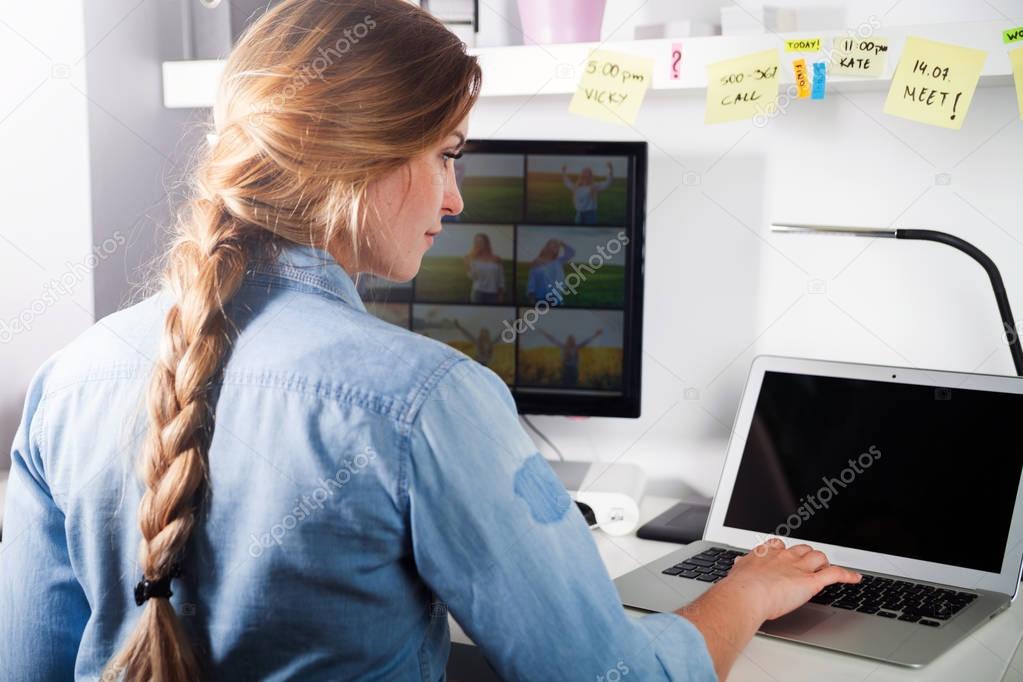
<point x="800" y="550"/>
<point x="814" y="560"/>
<point x="835" y="574"/>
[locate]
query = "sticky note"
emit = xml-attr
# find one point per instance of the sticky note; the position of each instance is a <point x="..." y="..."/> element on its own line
<point x="820" y="74"/>
<point x="612" y="87"/>
<point x="676" y="61"/>
<point x="934" y="83"/>
<point x="1016" y="57"/>
<point x="803" y="45"/>
<point x="863" y="57"/>
<point x="802" y="79"/>
<point x="1011" y="35"/>
<point x="739" y="89"/>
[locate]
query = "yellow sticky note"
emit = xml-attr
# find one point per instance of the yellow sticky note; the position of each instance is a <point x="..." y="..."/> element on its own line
<point x="934" y="82"/>
<point x="803" y="45"/>
<point x="741" y="88"/>
<point x="1016" y="57"/>
<point x="859" y="56"/>
<point x="612" y="87"/>
<point x="802" y="80"/>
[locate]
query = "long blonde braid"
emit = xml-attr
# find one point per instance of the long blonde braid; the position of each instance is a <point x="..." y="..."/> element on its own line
<point x="293" y="160"/>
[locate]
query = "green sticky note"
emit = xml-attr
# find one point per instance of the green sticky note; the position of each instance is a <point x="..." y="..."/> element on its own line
<point x="1011" y="35"/>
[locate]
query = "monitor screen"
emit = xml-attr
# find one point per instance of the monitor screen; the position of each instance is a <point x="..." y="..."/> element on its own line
<point x="916" y="471"/>
<point x="540" y="277"/>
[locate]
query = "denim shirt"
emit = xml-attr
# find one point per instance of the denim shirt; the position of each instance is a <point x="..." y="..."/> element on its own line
<point x="363" y="482"/>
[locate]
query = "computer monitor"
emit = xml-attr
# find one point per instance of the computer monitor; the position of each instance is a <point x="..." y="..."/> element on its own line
<point x="540" y="277"/>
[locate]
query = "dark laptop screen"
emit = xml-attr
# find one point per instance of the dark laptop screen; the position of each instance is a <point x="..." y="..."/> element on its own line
<point x="915" y="471"/>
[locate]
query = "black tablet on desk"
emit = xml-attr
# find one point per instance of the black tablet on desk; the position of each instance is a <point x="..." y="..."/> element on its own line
<point x="682" y="523"/>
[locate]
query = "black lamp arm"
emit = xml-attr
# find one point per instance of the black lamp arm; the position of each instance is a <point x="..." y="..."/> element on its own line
<point x="1008" y="323"/>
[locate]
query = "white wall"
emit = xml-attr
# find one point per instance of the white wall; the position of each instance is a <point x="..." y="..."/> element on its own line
<point x="45" y="194"/>
<point x="721" y="288"/>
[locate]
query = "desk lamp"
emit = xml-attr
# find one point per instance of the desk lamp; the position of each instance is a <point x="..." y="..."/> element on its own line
<point x="1008" y="323"/>
<point x="684" y="522"/>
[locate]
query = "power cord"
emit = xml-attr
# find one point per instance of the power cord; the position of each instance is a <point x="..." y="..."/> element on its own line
<point x="544" y="438"/>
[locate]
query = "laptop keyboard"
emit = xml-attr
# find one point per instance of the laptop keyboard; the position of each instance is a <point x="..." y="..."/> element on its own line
<point x="891" y="598"/>
<point x="883" y="597"/>
<point x="708" y="566"/>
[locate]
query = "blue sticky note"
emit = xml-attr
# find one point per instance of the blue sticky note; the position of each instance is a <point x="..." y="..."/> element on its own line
<point x="819" y="76"/>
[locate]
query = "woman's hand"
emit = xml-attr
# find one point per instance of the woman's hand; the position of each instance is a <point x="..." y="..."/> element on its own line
<point x="767" y="583"/>
<point x="782" y="579"/>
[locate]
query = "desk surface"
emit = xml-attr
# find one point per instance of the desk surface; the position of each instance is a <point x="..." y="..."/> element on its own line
<point x="984" y="656"/>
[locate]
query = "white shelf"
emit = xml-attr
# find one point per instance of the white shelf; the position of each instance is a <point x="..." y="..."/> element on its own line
<point x="555" y="69"/>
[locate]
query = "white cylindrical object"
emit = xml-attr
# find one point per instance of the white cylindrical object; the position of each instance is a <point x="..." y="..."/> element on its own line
<point x="616" y="513"/>
<point x="613" y="492"/>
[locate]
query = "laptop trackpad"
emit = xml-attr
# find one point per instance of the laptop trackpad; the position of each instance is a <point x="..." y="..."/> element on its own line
<point x="796" y="623"/>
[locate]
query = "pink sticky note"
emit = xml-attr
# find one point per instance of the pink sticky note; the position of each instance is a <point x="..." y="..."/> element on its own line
<point x="676" y="61"/>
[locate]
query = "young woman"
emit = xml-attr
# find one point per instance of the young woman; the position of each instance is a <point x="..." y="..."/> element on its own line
<point x="585" y="193"/>
<point x="547" y="270"/>
<point x="570" y="355"/>
<point x="247" y="476"/>
<point x="483" y="343"/>
<point x="485" y="270"/>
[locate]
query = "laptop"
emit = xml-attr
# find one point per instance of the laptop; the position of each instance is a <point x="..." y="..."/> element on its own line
<point x="908" y="476"/>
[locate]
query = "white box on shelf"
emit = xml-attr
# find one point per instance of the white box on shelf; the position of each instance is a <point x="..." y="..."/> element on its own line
<point x="686" y="28"/>
<point x="499" y="24"/>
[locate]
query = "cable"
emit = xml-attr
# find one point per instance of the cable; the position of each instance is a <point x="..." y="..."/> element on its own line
<point x="544" y="438"/>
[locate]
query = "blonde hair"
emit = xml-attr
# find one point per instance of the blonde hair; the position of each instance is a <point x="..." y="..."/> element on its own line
<point x="481" y="250"/>
<point x="317" y="101"/>
<point x="548" y="253"/>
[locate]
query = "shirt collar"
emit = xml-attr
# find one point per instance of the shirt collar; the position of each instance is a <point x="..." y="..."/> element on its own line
<point x="312" y="266"/>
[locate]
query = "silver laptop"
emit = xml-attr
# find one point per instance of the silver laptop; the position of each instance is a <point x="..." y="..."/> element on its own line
<point x="909" y="476"/>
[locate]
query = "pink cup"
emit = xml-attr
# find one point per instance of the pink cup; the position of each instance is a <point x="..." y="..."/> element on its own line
<point x="561" y="21"/>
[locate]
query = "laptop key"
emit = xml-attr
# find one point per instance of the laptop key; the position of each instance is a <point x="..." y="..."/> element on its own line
<point x="867" y="609"/>
<point x="673" y="570"/>
<point x="909" y="617"/>
<point x="688" y="574"/>
<point x="886" y="614"/>
<point x="706" y="577"/>
<point x="932" y="623"/>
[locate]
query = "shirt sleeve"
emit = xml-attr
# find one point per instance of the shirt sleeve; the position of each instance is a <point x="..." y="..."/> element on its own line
<point x="497" y="538"/>
<point x="43" y="609"/>
<point x="567" y="255"/>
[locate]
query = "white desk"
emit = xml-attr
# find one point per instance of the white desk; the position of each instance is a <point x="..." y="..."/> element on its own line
<point x="982" y="657"/>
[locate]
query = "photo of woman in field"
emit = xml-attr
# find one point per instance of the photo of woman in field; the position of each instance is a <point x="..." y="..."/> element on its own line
<point x="577" y="190"/>
<point x="573" y="349"/>
<point x="468" y="264"/>
<point x="485" y="270"/>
